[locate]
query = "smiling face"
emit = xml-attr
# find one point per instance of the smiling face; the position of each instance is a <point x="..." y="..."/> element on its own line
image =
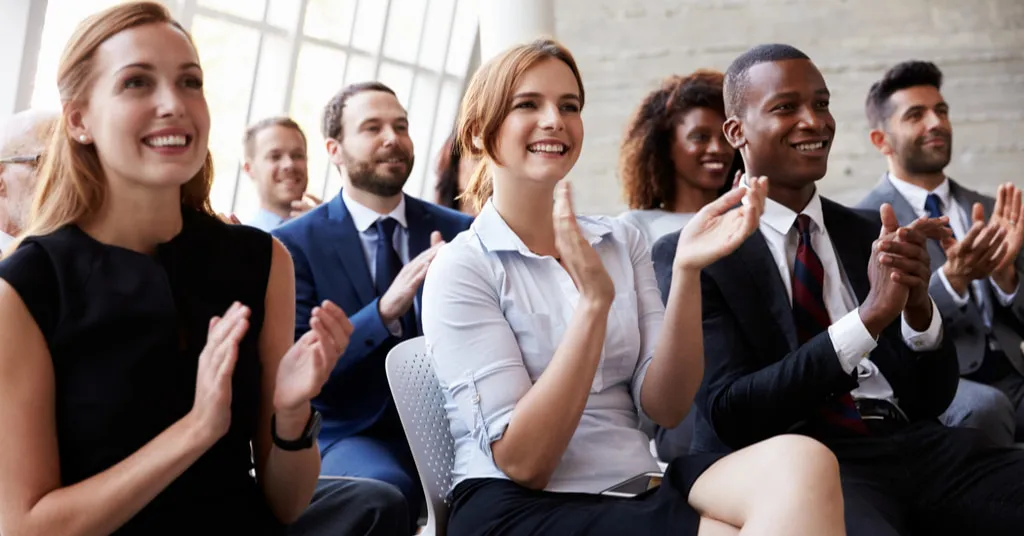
<point x="700" y="152"/>
<point x="278" y="165"/>
<point x="375" y="149"/>
<point x="785" y="130"/>
<point x="540" y="138"/>
<point x="146" y="113"/>
<point x="918" y="133"/>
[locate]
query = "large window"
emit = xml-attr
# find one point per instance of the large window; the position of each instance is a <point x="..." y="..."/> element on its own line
<point x="287" y="57"/>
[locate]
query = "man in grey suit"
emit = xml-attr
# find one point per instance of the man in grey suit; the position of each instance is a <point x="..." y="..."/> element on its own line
<point x="975" y="276"/>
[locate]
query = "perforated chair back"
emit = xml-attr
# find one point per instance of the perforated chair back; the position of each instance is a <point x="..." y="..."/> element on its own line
<point x="420" y="404"/>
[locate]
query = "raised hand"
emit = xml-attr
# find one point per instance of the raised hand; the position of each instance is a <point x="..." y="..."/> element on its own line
<point x="211" y="409"/>
<point x="230" y="219"/>
<point x="306" y="366"/>
<point x="577" y="255"/>
<point x="887" y="297"/>
<point x="398" y="298"/>
<point x="304" y="205"/>
<point x="908" y="255"/>
<point x="977" y="254"/>
<point x="1009" y="215"/>
<point x="718" y="229"/>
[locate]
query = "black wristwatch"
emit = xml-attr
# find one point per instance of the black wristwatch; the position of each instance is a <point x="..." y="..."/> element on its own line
<point x="304" y="441"/>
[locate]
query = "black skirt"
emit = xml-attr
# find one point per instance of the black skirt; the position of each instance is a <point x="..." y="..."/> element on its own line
<point x="495" y="506"/>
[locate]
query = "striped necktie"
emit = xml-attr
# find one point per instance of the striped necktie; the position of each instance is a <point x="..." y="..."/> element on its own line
<point x="811" y="318"/>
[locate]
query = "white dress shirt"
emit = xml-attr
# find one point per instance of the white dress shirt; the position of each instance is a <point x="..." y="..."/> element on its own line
<point x="365" y="221"/>
<point x="852" y="341"/>
<point x="5" y="239"/>
<point x="493" y="315"/>
<point x="960" y="222"/>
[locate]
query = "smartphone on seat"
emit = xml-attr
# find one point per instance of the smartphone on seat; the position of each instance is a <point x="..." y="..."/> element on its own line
<point x="635" y="486"/>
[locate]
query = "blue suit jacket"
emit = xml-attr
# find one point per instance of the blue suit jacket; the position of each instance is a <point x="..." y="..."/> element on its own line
<point x="330" y="265"/>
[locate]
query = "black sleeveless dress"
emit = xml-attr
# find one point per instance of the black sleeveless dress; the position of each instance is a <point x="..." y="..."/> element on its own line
<point x="125" y="331"/>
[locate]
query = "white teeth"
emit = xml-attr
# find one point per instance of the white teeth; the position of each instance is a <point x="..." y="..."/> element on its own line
<point x="810" y="146"/>
<point x="166" y="141"/>
<point x="714" y="165"/>
<point x="546" y="148"/>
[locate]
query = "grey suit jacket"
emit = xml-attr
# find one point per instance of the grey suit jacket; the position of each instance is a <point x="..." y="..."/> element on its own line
<point x="963" y="324"/>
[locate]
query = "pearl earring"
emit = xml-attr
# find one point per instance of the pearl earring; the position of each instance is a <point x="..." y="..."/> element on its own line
<point x="83" y="138"/>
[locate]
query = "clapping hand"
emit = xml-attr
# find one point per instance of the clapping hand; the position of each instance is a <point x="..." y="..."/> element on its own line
<point x="578" y="257"/>
<point x="1009" y="216"/>
<point x="306" y="366"/>
<point x="718" y="229"/>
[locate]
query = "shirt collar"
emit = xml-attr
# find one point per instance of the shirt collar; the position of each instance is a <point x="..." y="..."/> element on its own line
<point x="495" y="234"/>
<point x="917" y="196"/>
<point x="365" y="217"/>
<point x="781" y="218"/>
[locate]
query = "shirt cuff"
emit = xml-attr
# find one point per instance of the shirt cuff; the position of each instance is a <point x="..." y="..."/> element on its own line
<point x="959" y="299"/>
<point x="851" y="340"/>
<point x="926" y="341"/>
<point x="1003" y="298"/>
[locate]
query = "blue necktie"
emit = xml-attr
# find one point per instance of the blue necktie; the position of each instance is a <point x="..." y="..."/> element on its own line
<point x="933" y="205"/>
<point x="811" y="318"/>
<point x="388" y="264"/>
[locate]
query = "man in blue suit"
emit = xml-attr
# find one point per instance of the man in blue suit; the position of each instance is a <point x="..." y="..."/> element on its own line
<point x="367" y="250"/>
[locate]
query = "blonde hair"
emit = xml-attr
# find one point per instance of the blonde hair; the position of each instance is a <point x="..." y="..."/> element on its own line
<point x="488" y="101"/>
<point x="71" y="181"/>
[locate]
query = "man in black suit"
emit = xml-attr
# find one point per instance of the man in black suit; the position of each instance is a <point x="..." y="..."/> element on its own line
<point x="975" y="281"/>
<point x="821" y="324"/>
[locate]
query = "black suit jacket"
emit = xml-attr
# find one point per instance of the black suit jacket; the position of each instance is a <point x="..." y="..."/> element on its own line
<point x="758" y="381"/>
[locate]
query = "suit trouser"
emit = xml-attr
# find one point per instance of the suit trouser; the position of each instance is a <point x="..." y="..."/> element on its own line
<point x="356" y="507"/>
<point x="925" y="478"/>
<point x="380" y="452"/>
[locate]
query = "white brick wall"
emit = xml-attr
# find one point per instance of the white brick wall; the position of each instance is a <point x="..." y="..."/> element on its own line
<point x="625" y="47"/>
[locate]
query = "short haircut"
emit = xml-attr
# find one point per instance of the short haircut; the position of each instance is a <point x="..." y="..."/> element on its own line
<point x="249" y="140"/>
<point x="900" y="76"/>
<point x="645" y="158"/>
<point x="330" y="125"/>
<point x="737" y="79"/>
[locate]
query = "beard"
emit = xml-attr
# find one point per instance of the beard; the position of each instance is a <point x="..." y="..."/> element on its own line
<point x="364" y="176"/>
<point x="918" y="159"/>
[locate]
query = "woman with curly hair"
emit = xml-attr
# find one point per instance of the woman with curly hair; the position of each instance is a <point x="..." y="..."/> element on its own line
<point x="675" y="158"/>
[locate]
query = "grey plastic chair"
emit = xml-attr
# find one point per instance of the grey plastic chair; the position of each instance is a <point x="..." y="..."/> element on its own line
<point x="420" y="404"/>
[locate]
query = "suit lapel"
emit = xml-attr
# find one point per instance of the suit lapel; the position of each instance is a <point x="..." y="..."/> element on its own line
<point x="341" y="237"/>
<point x="848" y="246"/>
<point x="421" y="224"/>
<point x="760" y="269"/>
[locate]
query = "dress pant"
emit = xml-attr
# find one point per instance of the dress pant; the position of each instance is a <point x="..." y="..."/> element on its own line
<point x="925" y="478"/>
<point x="353" y="506"/>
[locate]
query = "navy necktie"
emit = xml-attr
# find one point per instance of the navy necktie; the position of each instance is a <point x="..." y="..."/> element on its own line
<point x="388" y="264"/>
<point x="811" y="318"/>
<point x="933" y="205"/>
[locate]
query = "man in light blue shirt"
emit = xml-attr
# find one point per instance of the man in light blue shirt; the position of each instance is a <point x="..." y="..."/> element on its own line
<point x="275" y="159"/>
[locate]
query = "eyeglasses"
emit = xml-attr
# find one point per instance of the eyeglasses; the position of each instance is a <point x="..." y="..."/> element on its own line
<point x="32" y="160"/>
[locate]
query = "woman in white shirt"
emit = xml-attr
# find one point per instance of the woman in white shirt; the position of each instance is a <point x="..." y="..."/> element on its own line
<point x="546" y="334"/>
<point x="675" y="158"/>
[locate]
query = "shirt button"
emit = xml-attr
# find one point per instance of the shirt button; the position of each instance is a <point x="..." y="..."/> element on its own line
<point x="476" y="399"/>
<point x="865" y="355"/>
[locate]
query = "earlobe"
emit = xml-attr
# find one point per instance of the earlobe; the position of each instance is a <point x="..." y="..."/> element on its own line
<point x="334" y="152"/>
<point x="478" y="143"/>
<point x="733" y="130"/>
<point x="76" y="127"/>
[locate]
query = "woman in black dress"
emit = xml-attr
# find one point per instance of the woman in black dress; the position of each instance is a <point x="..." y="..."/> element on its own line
<point x="144" y="344"/>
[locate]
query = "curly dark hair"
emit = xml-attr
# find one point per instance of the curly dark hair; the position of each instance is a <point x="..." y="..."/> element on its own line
<point x="447" y="172"/>
<point x="645" y="161"/>
<point x="900" y="76"/>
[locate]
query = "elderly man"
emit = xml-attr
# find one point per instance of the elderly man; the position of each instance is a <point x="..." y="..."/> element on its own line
<point x="23" y="137"/>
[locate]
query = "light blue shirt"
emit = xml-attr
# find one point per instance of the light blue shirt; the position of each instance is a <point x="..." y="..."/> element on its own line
<point x="493" y="315"/>
<point x="265" y="220"/>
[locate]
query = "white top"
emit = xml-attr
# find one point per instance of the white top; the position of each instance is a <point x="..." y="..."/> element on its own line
<point x="5" y="239"/>
<point x="493" y="315"/>
<point x="959" y="221"/>
<point x="850" y="338"/>
<point x="656" y="223"/>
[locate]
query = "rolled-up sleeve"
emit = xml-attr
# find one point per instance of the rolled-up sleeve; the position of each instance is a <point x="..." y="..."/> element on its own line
<point x="476" y="357"/>
<point x="650" y="310"/>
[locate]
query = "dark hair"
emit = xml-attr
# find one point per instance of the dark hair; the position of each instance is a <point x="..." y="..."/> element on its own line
<point x="488" y="101"/>
<point x="736" y="76"/>
<point x="900" y="76"/>
<point x="447" y="171"/>
<point x="645" y="159"/>
<point x="330" y="126"/>
<point x="279" y="121"/>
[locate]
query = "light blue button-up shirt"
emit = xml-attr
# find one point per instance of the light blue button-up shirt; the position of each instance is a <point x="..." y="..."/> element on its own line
<point x="493" y="315"/>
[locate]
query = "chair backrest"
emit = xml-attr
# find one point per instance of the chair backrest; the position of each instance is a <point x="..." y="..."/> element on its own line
<point x="420" y="404"/>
